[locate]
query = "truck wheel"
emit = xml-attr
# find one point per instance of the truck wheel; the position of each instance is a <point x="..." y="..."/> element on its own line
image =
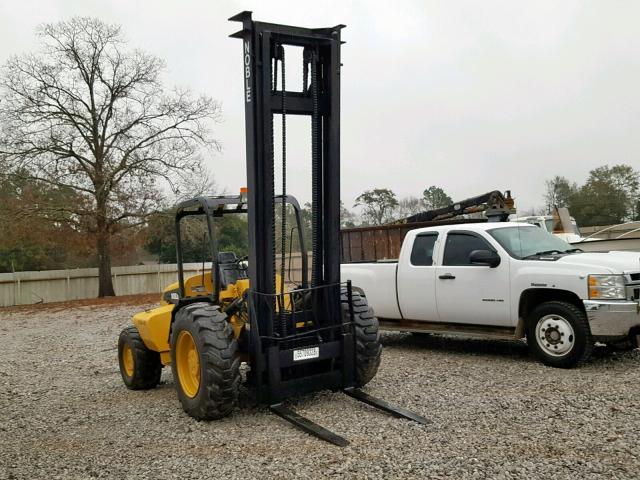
<point x="559" y="334"/>
<point x="368" y="348"/>
<point x="140" y="367"/>
<point x="205" y="361"/>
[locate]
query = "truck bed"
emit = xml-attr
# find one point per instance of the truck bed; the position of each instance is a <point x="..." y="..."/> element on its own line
<point x="382" y="242"/>
<point x="378" y="281"/>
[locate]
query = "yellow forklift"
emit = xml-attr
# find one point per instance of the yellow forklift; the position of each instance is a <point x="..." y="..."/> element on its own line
<point x="296" y="337"/>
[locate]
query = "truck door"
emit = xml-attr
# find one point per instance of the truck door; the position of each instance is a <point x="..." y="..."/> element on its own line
<point x="417" y="280"/>
<point x="472" y="294"/>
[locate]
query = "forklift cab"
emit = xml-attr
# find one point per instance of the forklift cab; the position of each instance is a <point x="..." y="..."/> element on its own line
<point x="226" y="268"/>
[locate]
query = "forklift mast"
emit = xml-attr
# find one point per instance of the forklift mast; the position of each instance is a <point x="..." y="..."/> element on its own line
<point x="319" y="98"/>
<point x="301" y="340"/>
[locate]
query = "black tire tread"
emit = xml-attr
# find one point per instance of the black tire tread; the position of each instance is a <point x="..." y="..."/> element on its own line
<point x="146" y="363"/>
<point x="367" y="337"/>
<point x="222" y="362"/>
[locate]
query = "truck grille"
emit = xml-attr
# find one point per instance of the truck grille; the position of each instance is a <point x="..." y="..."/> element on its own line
<point x="633" y="286"/>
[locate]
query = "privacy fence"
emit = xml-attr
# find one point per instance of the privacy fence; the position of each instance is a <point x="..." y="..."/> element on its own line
<point x="25" y="288"/>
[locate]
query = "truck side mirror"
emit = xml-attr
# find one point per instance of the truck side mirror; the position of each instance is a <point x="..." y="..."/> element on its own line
<point x="488" y="258"/>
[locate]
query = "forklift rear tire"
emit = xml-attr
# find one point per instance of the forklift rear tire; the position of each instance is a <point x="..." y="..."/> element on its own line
<point x="205" y="361"/>
<point x="368" y="347"/>
<point x="140" y="367"/>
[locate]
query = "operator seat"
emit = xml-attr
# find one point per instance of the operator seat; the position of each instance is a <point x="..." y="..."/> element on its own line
<point x="229" y="268"/>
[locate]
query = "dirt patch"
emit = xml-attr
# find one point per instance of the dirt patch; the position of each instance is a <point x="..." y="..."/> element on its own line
<point x="124" y="300"/>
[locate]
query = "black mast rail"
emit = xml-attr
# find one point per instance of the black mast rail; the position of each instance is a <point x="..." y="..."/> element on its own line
<point x="276" y="343"/>
<point x="263" y="59"/>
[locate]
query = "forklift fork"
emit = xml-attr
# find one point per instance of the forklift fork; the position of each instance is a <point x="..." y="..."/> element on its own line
<point x="322" y="433"/>
<point x="308" y="426"/>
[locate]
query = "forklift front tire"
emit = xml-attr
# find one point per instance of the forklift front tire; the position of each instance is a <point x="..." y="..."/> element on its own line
<point x="205" y="361"/>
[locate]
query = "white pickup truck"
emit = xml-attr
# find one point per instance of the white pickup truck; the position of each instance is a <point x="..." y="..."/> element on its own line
<point x="506" y="280"/>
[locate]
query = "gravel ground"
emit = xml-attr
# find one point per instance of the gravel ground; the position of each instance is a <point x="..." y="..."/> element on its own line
<point x="497" y="413"/>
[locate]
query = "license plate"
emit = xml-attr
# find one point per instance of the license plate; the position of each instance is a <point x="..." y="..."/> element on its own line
<point x="306" y="353"/>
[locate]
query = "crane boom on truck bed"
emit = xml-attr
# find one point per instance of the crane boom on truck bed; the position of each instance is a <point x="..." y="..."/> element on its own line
<point x="496" y="207"/>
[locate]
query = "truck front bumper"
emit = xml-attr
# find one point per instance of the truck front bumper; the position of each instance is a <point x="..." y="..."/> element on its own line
<point x="612" y="318"/>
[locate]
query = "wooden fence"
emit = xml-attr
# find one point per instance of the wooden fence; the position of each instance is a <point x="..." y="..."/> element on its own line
<point x="25" y="288"/>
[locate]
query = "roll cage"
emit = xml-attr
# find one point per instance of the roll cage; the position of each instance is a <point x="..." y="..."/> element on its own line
<point x="217" y="207"/>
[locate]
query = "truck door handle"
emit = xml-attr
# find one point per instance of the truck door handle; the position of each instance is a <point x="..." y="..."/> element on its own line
<point x="447" y="276"/>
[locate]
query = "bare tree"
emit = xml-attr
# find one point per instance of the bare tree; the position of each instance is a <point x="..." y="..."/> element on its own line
<point x="378" y="205"/>
<point x="348" y="219"/>
<point x="90" y="115"/>
<point x="409" y="206"/>
<point x="558" y="192"/>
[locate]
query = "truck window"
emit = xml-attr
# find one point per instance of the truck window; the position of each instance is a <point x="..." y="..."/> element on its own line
<point x="458" y="247"/>
<point x="422" y="252"/>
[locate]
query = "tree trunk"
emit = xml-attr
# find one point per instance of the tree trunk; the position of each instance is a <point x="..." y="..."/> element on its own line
<point x="105" y="282"/>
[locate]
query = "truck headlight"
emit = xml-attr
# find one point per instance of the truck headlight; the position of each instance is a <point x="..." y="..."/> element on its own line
<point x="606" y="287"/>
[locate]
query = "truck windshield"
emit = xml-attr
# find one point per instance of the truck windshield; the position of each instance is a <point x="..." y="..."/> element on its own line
<point x="521" y="242"/>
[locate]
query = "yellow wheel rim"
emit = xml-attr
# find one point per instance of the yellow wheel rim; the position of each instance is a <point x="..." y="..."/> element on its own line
<point x="188" y="364"/>
<point x="127" y="360"/>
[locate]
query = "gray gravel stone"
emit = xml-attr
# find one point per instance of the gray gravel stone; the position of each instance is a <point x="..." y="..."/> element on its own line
<point x="497" y="414"/>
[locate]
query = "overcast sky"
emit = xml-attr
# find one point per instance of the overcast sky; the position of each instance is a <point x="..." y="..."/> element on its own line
<point x="467" y="95"/>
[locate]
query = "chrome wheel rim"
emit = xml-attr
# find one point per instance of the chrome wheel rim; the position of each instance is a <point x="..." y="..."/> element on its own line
<point x="555" y="335"/>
